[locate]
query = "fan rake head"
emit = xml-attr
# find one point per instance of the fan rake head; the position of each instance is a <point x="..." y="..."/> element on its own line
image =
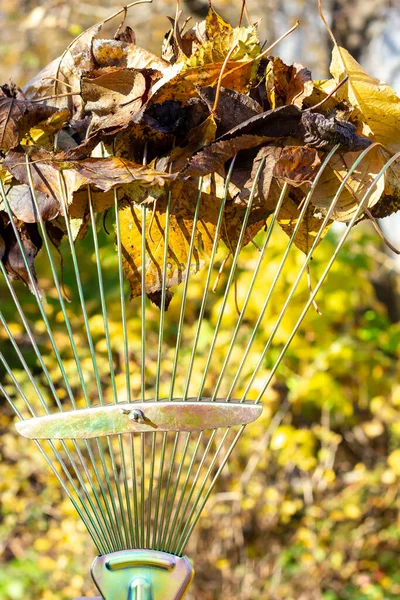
<point x="137" y="408"/>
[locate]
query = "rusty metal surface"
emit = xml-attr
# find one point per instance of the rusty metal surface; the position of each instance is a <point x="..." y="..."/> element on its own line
<point x="139" y="417"/>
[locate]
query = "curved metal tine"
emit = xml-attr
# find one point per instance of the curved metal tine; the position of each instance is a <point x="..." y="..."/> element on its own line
<point x="92" y="350"/>
<point x="303" y="268"/>
<point x="68" y="326"/>
<point x="249" y="290"/>
<point x="160" y="526"/>
<point x="328" y="267"/>
<point x="176" y="528"/>
<point x="157" y="384"/>
<point x="32" y="340"/>
<point x="143" y="373"/>
<point x="38" y="299"/>
<point x="199" y="492"/>
<point x="170" y="529"/>
<point x="200" y="509"/>
<point x="113" y="384"/>
<point x="25" y="366"/>
<point x="133" y="530"/>
<point x="230" y="277"/>
<point x="208" y="279"/>
<point x="122" y="298"/>
<point x="278" y="274"/>
<point x="166" y="516"/>
<point x="87" y="522"/>
<point x="185" y="289"/>
<point x="57" y="285"/>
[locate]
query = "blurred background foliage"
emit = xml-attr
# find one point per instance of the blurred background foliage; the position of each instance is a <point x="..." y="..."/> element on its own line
<point x="308" y="507"/>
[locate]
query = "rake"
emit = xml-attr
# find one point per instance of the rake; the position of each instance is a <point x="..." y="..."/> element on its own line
<point x="138" y="422"/>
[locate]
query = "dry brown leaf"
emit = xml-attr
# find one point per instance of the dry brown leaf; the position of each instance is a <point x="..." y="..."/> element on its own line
<point x="287" y="84"/>
<point x="23" y="205"/>
<point x="238" y="76"/>
<point x="215" y="156"/>
<point x="104" y="174"/>
<point x="114" y="95"/>
<point x="16" y="119"/>
<point x="180" y="231"/>
<point x="199" y="136"/>
<point x="297" y="165"/>
<point x="356" y="186"/>
<point x="63" y="74"/>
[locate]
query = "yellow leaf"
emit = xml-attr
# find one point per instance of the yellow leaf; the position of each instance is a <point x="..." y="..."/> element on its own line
<point x="375" y="100"/>
<point x="180" y="230"/>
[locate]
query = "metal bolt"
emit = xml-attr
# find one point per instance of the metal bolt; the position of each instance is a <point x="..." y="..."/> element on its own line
<point x="137" y="416"/>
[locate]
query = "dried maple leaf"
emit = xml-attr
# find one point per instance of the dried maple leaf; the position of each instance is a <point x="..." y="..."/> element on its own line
<point x="297" y="165"/>
<point x="17" y="117"/>
<point x="287" y="84"/>
<point x="180" y="231"/>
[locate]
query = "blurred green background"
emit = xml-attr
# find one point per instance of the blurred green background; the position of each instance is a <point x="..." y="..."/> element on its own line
<point x="308" y="508"/>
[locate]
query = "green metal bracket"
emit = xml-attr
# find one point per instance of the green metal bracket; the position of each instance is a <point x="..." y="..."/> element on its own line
<point x="142" y="575"/>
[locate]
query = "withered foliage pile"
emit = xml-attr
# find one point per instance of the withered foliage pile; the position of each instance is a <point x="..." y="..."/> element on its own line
<point x="109" y="118"/>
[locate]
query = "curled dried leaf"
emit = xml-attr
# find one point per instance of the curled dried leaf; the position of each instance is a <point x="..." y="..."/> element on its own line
<point x="297" y="165"/>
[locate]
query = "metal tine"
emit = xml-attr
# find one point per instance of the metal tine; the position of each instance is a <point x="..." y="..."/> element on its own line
<point x="58" y="287"/>
<point x="172" y="528"/>
<point x="160" y="342"/>
<point x="89" y="523"/>
<point x="250" y="289"/>
<point x="185" y="289"/>
<point x="207" y="283"/>
<point x="143" y="372"/>
<point x="328" y="267"/>
<point x="66" y="320"/>
<point x="122" y="298"/>
<point x="25" y="366"/>
<point x="32" y="340"/>
<point x="181" y="547"/>
<point x="176" y="528"/>
<point x="92" y="351"/>
<point x="133" y="538"/>
<point x="30" y="408"/>
<point x="304" y="266"/>
<point x="166" y="518"/>
<point x="278" y="273"/>
<point x="166" y="490"/>
<point x="200" y="491"/>
<point x="157" y="383"/>
<point x="113" y="383"/>
<point x="230" y="277"/>
<point x="37" y="297"/>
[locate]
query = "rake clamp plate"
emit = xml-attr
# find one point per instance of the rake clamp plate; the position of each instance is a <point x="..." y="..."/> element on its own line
<point x="139" y="417"/>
